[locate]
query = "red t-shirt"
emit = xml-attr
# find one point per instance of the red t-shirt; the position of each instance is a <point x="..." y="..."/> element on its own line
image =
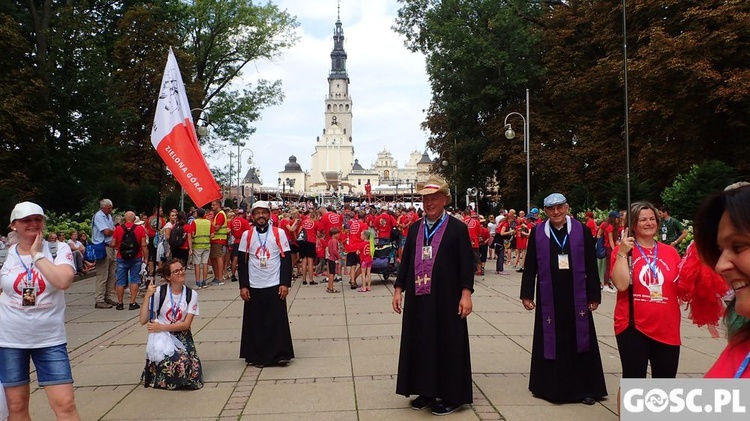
<point x="730" y="360"/>
<point x="356" y="227"/>
<point x="151" y="225"/>
<point x="311" y="228"/>
<point x="189" y="228"/>
<point x="384" y="223"/>
<point x="484" y="236"/>
<point x="404" y="220"/>
<point x="475" y="230"/>
<point x="607" y="229"/>
<point x="237" y="226"/>
<point x="657" y="319"/>
<point x="592" y="226"/>
<point x="320" y="248"/>
<point x="286" y="225"/>
<point x="369" y="219"/>
<point x="364" y="252"/>
<point x="330" y="220"/>
<point x="140" y="234"/>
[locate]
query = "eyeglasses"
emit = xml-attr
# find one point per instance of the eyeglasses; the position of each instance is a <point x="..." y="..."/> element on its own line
<point x="178" y="271"/>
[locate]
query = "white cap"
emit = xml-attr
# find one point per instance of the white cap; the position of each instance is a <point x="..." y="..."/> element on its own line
<point x="260" y="204"/>
<point x="24" y="209"/>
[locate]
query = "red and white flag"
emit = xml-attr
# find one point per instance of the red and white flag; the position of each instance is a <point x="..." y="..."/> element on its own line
<point x="175" y="140"/>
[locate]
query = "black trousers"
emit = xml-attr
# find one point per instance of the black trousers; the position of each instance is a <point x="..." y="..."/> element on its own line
<point x="637" y="350"/>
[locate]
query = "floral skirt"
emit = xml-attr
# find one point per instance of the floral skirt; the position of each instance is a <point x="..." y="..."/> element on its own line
<point x="180" y="371"/>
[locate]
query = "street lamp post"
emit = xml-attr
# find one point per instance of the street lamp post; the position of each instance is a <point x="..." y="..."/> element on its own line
<point x="239" y="171"/>
<point x="510" y="134"/>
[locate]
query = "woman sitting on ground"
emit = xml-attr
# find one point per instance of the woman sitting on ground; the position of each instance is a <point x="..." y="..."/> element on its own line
<point x="171" y="308"/>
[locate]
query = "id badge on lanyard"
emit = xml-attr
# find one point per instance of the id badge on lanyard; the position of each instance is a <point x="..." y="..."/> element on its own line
<point x="28" y="295"/>
<point x="563" y="263"/>
<point x="426" y="252"/>
<point x="263" y="261"/>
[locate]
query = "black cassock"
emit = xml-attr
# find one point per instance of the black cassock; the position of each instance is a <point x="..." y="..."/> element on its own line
<point x="573" y="375"/>
<point x="434" y="359"/>
<point x="266" y="338"/>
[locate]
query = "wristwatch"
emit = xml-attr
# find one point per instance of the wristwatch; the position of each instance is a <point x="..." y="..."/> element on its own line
<point x="37" y="256"/>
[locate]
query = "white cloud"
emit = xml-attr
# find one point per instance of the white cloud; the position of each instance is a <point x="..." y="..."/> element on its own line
<point x="389" y="87"/>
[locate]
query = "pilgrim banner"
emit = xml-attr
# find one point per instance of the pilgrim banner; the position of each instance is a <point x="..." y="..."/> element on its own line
<point x="176" y="142"/>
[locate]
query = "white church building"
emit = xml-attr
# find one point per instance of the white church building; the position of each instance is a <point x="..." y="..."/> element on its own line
<point x="335" y="167"/>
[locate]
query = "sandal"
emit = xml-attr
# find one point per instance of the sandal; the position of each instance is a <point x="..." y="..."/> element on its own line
<point x="313" y="283"/>
<point x="353" y="285"/>
<point x="363" y="289"/>
<point x="332" y="290"/>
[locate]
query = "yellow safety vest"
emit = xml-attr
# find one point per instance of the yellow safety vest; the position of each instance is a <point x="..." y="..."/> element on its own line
<point x="202" y="238"/>
<point x="221" y="232"/>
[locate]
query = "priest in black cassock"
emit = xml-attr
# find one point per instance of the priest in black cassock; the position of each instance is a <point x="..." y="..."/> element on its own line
<point x="264" y="266"/>
<point x="437" y="275"/>
<point x="561" y="264"/>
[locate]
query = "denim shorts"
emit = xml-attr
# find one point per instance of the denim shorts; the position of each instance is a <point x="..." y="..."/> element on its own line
<point x="128" y="270"/>
<point x="51" y="363"/>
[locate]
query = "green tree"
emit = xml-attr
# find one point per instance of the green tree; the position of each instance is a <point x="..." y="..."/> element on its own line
<point x="689" y="189"/>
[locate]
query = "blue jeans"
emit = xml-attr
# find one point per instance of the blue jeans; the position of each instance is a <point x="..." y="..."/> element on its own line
<point x="52" y="366"/>
<point x="128" y="268"/>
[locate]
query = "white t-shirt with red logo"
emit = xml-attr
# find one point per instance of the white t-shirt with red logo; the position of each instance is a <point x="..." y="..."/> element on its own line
<point x="175" y="307"/>
<point x="266" y="246"/>
<point x="32" y="326"/>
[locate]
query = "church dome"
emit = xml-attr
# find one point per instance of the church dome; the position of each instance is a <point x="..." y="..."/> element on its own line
<point x="292" y="165"/>
<point x="357" y="166"/>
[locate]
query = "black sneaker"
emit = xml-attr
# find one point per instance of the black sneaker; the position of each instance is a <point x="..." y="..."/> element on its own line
<point x="444" y="408"/>
<point x="234" y="278"/>
<point x="421" y="402"/>
<point x="119" y="307"/>
<point x="133" y="306"/>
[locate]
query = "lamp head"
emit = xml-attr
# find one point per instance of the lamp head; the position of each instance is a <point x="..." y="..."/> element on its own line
<point x="202" y="131"/>
<point x="509" y="133"/>
<point x="445" y="162"/>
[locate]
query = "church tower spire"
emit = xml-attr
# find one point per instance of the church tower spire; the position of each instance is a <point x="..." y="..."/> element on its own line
<point x="334" y="150"/>
<point x="338" y="55"/>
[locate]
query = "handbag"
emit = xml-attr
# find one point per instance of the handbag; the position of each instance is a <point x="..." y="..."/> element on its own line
<point x="95" y="252"/>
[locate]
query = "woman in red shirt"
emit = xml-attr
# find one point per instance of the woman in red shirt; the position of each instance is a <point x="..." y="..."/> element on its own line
<point x="647" y="326"/>
<point x="722" y="237"/>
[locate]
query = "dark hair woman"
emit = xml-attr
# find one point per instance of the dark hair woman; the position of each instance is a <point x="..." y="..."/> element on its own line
<point x="722" y="237"/>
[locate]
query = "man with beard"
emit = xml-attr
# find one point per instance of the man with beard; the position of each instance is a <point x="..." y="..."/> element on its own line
<point x="437" y="274"/>
<point x="264" y="265"/>
<point x="561" y="264"/>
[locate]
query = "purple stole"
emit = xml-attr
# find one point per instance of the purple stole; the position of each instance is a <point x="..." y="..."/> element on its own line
<point x="423" y="267"/>
<point x="578" y="266"/>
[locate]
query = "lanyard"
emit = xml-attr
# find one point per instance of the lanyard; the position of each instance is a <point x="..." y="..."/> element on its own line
<point x="175" y="309"/>
<point x="743" y="366"/>
<point x="264" y="240"/>
<point x="428" y="235"/>
<point x="565" y="240"/>
<point x="651" y="263"/>
<point x="29" y="278"/>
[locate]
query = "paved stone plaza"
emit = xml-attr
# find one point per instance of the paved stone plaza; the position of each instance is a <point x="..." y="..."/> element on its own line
<point x="347" y="354"/>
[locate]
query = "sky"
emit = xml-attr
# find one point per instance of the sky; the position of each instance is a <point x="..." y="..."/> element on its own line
<point x="388" y="86"/>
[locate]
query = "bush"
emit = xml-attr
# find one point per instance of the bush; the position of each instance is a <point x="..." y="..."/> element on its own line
<point x="689" y="190"/>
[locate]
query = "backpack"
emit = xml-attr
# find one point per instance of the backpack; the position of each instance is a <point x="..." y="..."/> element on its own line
<point x="177" y="236"/>
<point x="129" y="245"/>
<point x="163" y="295"/>
<point x="601" y="252"/>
